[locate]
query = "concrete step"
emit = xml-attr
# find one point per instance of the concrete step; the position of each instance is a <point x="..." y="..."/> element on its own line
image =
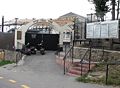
<point x="76" y="72"/>
<point x="79" y="68"/>
<point x="74" y="75"/>
<point x="85" y="65"/>
<point x="76" y="69"/>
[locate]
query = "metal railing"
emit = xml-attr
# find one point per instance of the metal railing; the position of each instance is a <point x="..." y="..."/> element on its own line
<point x="81" y="61"/>
<point x="85" y="59"/>
<point x="70" y="53"/>
<point x="89" y="58"/>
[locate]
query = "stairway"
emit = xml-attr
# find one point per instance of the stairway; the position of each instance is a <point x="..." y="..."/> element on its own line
<point x="75" y="68"/>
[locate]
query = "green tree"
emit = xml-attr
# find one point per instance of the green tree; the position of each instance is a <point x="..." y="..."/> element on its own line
<point x="101" y="8"/>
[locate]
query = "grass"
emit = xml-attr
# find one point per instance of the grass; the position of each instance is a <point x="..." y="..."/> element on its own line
<point x="83" y="79"/>
<point x="4" y="62"/>
<point x="113" y="78"/>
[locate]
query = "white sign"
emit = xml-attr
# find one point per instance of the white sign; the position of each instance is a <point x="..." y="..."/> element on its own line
<point x="106" y="29"/>
<point x="90" y="31"/>
<point x="113" y="30"/>
<point x="96" y="31"/>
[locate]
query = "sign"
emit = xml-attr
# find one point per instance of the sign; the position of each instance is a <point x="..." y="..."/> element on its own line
<point x="90" y="31"/>
<point x="106" y="29"/>
<point x="96" y="31"/>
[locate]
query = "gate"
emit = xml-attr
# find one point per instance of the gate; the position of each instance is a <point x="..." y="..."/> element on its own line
<point x="50" y="41"/>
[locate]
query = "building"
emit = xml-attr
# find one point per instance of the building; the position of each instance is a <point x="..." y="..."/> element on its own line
<point x="69" y="18"/>
<point x="64" y="26"/>
<point x="91" y="17"/>
<point x="75" y="22"/>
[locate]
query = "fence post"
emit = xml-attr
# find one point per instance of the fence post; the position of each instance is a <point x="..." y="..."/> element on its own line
<point x="72" y="53"/>
<point x="81" y="68"/>
<point x="90" y="57"/>
<point x="107" y="68"/>
<point x="65" y="60"/>
<point x="103" y="52"/>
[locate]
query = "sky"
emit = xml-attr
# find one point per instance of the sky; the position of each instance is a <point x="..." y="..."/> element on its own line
<point x="21" y="9"/>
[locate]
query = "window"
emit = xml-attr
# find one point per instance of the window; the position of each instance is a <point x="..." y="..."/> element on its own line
<point x="68" y="35"/>
<point x="63" y="34"/>
<point x="19" y="35"/>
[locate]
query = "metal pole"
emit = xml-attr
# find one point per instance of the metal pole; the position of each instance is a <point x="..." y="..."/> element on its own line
<point x="65" y="60"/>
<point x="73" y="41"/>
<point x="72" y="55"/>
<point x="91" y="17"/>
<point x="90" y="54"/>
<point x="81" y="68"/>
<point x="2" y="23"/>
<point x="107" y="68"/>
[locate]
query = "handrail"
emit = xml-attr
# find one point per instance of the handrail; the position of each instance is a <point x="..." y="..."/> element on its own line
<point x="84" y="56"/>
<point x="83" y="59"/>
<point x="90" y="54"/>
<point x="68" y="52"/>
<point x="64" y="58"/>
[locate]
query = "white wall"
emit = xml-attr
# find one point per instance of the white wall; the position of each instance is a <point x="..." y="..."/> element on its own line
<point x="19" y="43"/>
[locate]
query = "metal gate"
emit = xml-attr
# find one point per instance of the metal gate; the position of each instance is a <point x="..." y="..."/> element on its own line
<point x="50" y="41"/>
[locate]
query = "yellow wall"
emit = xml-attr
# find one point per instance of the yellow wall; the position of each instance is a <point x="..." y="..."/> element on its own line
<point x="2" y="55"/>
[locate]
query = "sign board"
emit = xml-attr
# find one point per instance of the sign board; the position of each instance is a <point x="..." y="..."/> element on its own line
<point x="106" y="29"/>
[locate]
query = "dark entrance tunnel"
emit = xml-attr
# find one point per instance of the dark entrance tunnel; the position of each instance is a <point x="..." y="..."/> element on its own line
<point x="50" y="41"/>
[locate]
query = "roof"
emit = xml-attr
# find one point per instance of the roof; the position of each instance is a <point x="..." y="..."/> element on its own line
<point x="71" y="14"/>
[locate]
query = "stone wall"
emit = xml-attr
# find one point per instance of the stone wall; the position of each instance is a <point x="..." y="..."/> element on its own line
<point x="1" y="54"/>
<point x="11" y="55"/>
<point x="97" y="55"/>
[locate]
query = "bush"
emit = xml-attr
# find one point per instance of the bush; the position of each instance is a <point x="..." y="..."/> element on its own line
<point x="4" y="62"/>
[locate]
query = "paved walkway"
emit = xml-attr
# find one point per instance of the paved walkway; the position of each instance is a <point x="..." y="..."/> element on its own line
<point x="41" y="71"/>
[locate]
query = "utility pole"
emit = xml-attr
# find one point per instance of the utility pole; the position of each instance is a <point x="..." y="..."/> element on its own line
<point x="113" y="9"/>
<point x="2" y="23"/>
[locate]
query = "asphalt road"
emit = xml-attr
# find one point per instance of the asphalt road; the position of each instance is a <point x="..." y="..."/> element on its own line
<point x="7" y="84"/>
<point x="40" y="71"/>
